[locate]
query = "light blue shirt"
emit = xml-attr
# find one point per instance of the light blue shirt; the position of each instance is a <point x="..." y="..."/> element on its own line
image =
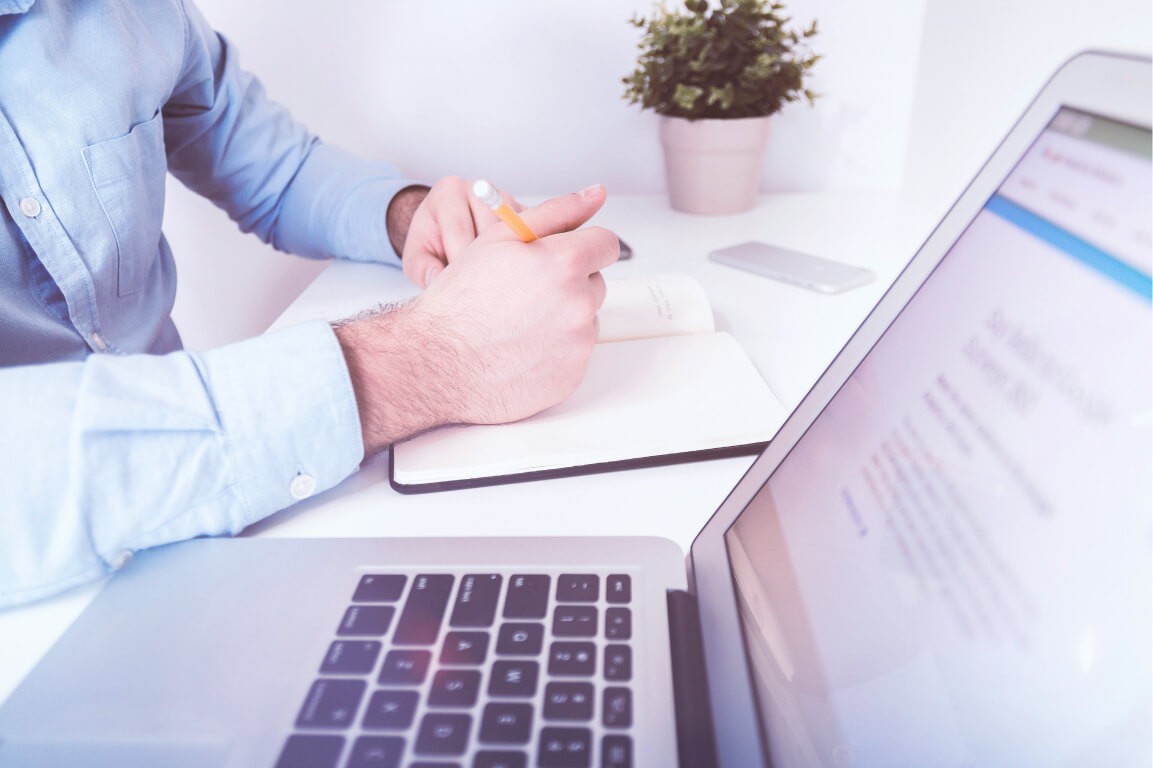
<point x="112" y="439"/>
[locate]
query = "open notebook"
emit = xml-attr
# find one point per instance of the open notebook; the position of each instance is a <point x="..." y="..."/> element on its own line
<point x="663" y="386"/>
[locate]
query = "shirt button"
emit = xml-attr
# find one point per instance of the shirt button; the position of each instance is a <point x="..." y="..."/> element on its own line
<point x="98" y="342"/>
<point x="30" y="207"/>
<point x="302" y="486"/>
<point x="121" y="559"/>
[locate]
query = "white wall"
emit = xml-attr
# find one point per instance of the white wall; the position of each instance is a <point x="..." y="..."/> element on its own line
<point x="524" y="92"/>
<point x="981" y="63"/>
<point x="528" y="93"/>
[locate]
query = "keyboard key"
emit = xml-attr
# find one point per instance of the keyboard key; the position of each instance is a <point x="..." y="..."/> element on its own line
<point x="618" y="662"/>
<point x="618" y="588"/>
<point x="404" y="667"/>
<point x="476" y="601"/>
<point x="464" y="648"/>
<point x="331" y="704"/>
<point x="506" y="723"/>
<point x="516" y="639"/>
<point x="379" y="588"/>
<point x="618" y="624"/>
<point x="454" y="688"/>
<point x="527" y="597"/>
<point x="565" y="748"/>
<point x="513" y="678"/>
<point x="578" y="588"/>
<point x="568" y="701"/>
<point x="351" y="657"/>
<point x="488" y="759"/>
<point x="366" y="620"/>
<point x="423" y="612"/>
<point x="443" y="734"/>
<point x="574" y="621"/>
<point x="390" y="710"/>
<point x="572" y="659"/>
<point x="310" y="751"/>
<point x="617" y="711"/>
<point x="376" y="752"/>
<point x="617" y="752"/>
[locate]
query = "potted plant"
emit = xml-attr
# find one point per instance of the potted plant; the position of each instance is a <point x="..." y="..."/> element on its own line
<point x="715" y="76"/>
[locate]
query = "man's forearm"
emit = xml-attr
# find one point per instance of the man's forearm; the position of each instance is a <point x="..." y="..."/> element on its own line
<point x="398" y="218"/>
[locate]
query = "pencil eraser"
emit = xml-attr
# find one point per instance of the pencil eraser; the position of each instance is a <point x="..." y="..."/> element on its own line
<point x="487" y="194"/>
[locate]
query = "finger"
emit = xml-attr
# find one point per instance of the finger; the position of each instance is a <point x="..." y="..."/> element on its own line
<point x="598" y="288"/>
<point x="513" y="203"/>
<point x="482" y="215"/>
<point x="456" y="234"/>
<point x="597" y="246"/>
<point x="564" y="213"/>
<point x="459" y="224"/>
<point x="419" y="264"/>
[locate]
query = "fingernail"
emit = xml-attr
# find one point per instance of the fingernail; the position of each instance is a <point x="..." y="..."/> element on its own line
<point x="590" y="190"/>
<point x="429" y="274"/>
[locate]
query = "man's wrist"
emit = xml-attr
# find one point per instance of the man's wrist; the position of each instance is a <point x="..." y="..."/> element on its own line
<point x="401" y="209"/>
<point x="401" y="375"/>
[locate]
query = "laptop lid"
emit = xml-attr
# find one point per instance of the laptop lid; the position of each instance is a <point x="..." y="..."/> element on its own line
<point x="944" y="558"/>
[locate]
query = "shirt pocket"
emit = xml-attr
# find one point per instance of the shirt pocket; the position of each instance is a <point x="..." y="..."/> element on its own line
<point x="128" y="176"/>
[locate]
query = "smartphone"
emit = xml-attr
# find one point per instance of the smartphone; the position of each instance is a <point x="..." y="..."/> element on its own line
<point x="793" y="267"/>
<point x="626" y="250"/>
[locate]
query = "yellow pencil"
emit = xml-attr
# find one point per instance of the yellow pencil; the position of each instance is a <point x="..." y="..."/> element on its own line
<point x="488" y="195"/>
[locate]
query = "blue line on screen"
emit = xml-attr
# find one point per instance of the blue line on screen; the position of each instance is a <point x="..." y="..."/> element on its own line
<point x="1088" y="254"/>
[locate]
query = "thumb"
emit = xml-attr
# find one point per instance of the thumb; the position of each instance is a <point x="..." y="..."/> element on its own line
<point x="564" y="213"/>
<point x="420" y="263"/>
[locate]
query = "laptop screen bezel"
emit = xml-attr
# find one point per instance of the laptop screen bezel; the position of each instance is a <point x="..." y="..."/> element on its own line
<point x="1109" y="85"/>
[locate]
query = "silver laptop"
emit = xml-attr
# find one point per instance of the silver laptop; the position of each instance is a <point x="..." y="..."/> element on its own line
<point x="943" y="559"/>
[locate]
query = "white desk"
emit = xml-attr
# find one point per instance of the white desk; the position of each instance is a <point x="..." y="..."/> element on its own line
<point x="791" y="334"/>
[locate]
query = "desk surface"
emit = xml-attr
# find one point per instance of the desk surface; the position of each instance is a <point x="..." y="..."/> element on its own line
<point x="791" y="334"/>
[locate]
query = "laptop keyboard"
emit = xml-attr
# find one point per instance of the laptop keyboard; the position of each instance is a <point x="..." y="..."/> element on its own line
<point x="474" y="670"/>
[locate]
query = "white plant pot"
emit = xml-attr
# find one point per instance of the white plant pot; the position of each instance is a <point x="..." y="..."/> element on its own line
<point x="713" y="166"/>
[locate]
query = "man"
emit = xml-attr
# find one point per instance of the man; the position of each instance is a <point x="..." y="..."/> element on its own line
<point x="113" y="439"/>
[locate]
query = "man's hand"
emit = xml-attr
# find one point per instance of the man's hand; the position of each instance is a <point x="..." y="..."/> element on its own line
<point x="505" y="331"/>
<point x="447" y="221"/>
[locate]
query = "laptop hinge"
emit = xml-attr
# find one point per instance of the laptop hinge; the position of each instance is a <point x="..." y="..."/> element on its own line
<point x="696" y="744"/>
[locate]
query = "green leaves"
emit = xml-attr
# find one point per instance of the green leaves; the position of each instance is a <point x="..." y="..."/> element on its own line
<point x="686" y="96"/>
<point x="737" y="60"/>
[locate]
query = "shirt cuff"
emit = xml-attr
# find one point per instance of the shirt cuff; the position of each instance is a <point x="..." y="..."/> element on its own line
<point x="288" y="411"/>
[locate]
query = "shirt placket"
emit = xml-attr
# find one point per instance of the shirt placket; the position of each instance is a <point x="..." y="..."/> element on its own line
<point x="33" y="214"/>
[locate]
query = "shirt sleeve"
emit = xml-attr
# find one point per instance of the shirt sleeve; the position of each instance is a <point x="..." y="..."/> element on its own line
<point x="226" y="140"/>
<point x="146" y="450"/>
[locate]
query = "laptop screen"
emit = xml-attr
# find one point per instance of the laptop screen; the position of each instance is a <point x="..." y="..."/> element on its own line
<point x="952" y="566"/>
